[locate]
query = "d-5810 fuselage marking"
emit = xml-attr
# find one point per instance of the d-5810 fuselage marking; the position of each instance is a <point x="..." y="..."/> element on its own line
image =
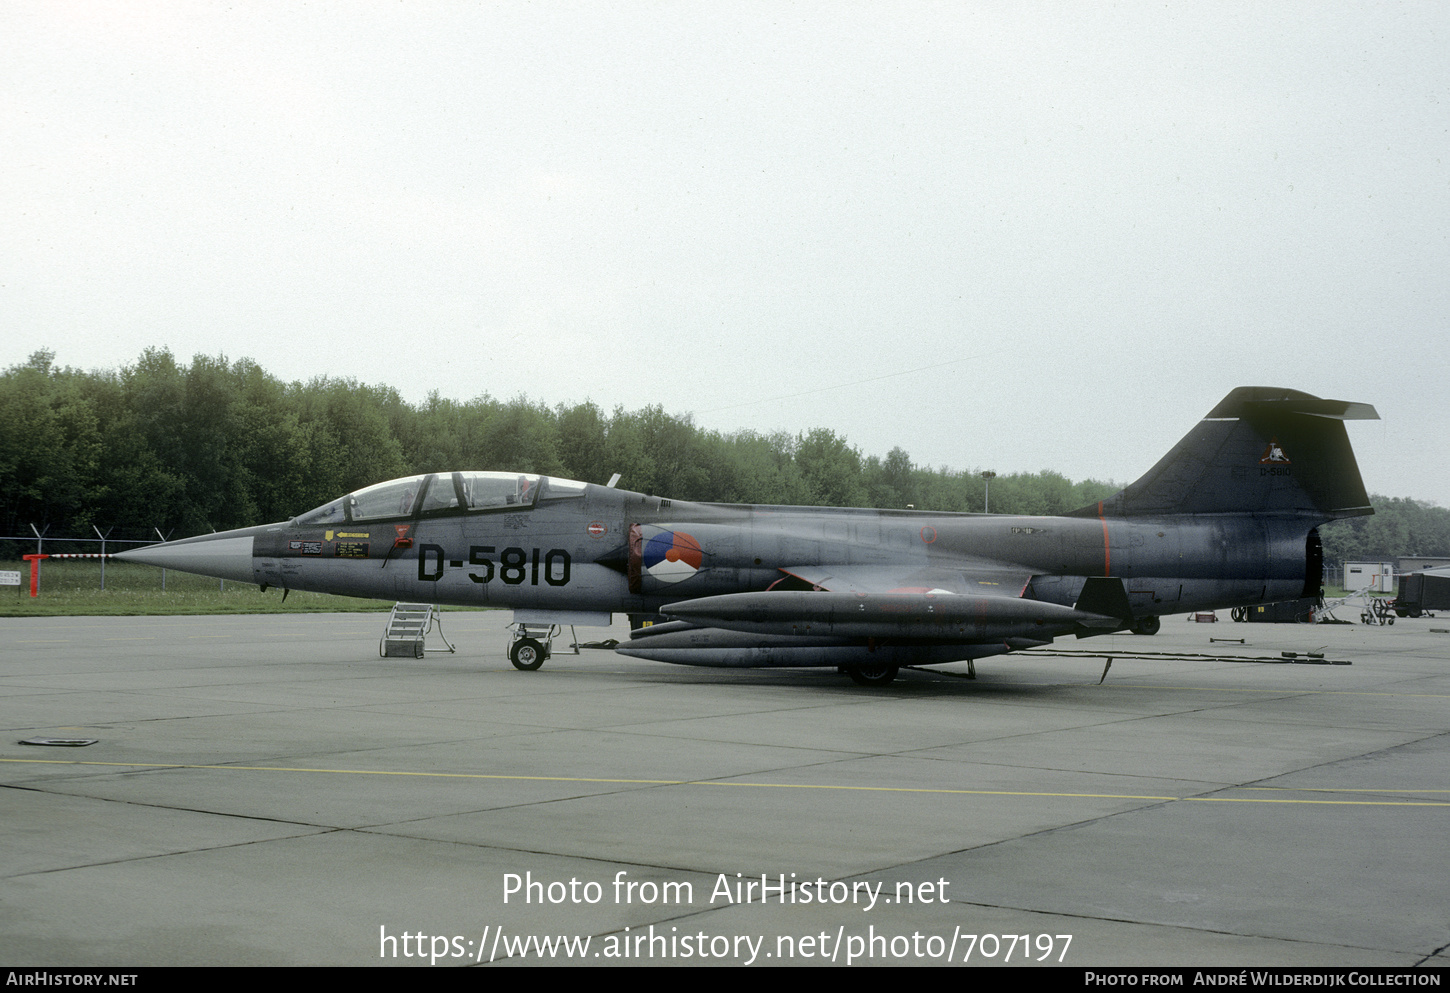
<point x="516" y="565"/>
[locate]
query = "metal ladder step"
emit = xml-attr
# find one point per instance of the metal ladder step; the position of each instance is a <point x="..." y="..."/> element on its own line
<point x="408" y="626"/>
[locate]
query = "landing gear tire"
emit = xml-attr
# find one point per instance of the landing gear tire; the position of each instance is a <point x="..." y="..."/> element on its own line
<point x="872" y="674"/>
<point x="1239" y="613"/>
<point x="527" y="654"/>
<point x="1148" y="625"/>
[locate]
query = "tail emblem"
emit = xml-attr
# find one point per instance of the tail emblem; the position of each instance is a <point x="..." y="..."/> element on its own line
<point x="1274" y="455"/>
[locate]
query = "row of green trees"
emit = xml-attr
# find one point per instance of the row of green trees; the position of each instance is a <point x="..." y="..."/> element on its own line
<point x="1398" y="527"/>
<point x="215" y="445"/>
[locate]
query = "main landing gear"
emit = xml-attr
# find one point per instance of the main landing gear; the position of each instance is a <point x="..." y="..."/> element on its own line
<point x="871" y="673"/>
<point x="1147" y="625"/>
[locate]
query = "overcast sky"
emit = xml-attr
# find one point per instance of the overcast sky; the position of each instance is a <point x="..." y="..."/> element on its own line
<point x="1007" y="236"/>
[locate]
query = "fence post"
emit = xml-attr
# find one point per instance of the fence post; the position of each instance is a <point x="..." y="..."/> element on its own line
<point x="221" y="584"/>
<point x="103" y="551"/>
<point x="163" y="570"/>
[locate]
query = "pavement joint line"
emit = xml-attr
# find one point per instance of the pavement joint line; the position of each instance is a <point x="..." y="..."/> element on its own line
<point x="1279" y="690"/>
<point x="797" y="786"/>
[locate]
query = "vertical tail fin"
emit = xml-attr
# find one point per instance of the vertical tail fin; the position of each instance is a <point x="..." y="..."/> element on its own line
<point x="1261" y="449"/>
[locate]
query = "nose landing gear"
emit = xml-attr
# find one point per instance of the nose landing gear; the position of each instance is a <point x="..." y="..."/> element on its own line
<point x="531" y="645"/>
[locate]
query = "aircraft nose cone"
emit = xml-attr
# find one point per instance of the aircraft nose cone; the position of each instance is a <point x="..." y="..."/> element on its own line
<point x="223" y="556"/>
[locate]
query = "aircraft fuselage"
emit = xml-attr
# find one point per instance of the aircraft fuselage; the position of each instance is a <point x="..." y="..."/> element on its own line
<point x="573" y="554"/>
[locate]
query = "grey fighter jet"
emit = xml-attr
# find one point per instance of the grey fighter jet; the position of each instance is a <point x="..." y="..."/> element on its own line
<point x="1228" y="518"/>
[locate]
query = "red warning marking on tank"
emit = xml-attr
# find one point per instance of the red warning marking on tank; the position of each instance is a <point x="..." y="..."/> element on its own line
<point x="597" y="529"/>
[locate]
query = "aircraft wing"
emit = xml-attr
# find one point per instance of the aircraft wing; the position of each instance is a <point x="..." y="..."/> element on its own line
<point x="868" y="615"/>
<point x="970" y="602"/>
<point x="844" y="624"/>
<point x="974" y="577"/>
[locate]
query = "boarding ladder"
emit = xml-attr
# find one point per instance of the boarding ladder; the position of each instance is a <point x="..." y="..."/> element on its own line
<point x="408" y="626"/>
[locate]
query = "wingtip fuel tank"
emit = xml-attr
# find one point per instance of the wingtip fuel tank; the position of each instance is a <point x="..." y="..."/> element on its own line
<point x="921" y="616"/>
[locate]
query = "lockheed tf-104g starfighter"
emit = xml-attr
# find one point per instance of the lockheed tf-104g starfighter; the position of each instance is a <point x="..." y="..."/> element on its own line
<point x="1228" y="518"/>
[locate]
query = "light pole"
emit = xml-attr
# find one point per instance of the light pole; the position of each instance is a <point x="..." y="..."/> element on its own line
<point x="987" y="478"/>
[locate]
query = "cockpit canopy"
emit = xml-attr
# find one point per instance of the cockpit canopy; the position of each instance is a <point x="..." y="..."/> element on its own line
<point x="441" y="494"/>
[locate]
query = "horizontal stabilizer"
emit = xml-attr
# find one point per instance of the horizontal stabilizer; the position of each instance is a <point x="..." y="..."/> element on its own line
<point x="1274" y="401"/>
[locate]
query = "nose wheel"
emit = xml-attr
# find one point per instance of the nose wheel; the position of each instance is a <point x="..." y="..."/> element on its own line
<point x="527" y="654"/>
<point x="531" y="645"/>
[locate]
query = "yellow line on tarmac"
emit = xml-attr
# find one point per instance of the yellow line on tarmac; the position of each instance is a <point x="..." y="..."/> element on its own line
<point x="710" y="782"/>
<point x="1333" y="789"/>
